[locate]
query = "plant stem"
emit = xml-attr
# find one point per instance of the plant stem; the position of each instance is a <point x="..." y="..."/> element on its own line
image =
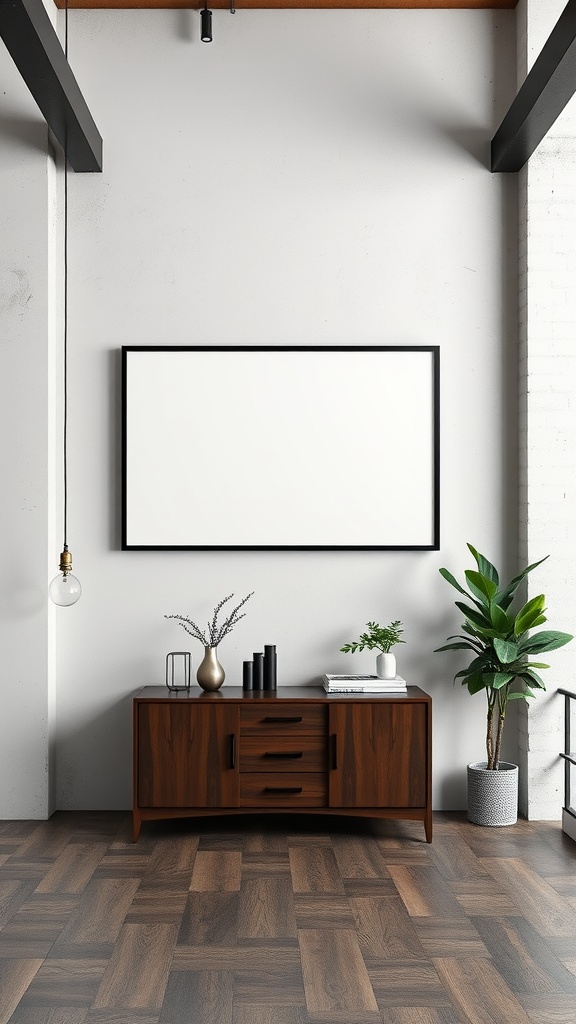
<point x="489" y="729"/>
<point x="502" y="702"/>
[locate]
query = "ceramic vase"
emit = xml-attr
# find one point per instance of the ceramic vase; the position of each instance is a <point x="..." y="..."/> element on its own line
<point x="386" y="666"/>
<point x="210" y="674"/>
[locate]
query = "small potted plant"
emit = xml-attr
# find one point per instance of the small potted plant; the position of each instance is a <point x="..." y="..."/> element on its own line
<point x="210" y="674"/>
<point x="379" y="638"/>
<point x="503" y="668"/>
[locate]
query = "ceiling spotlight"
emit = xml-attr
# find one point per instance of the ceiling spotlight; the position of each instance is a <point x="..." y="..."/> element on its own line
<point x="206" y="25"/>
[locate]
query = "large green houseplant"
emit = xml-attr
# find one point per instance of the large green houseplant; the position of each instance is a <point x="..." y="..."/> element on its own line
<point x="502" y="645"/>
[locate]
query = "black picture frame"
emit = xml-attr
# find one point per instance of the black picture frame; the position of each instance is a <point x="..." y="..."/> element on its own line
<point x="192" y="415"/>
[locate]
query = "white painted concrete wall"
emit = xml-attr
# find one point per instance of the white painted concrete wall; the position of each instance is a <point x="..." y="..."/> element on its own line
<point x="311" y="177"/>
<point x="548" y="414"/>
<point x="27" y="220"/>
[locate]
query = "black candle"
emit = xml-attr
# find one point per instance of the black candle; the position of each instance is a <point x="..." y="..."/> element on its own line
<point x="258" y="671"/>
<point x="270" y="670"/>
<point x="247" y="676"/>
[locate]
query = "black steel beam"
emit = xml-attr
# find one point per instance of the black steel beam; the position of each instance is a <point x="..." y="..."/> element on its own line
<point x="549" y="85"/>
<point x="35" y="48"/>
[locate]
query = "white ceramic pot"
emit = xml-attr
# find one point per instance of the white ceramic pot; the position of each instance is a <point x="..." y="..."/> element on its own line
<point x="492" y="795"/>
<point x="386" y="666"/>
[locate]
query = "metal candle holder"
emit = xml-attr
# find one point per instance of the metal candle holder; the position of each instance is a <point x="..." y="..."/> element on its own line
<point x="184" y="668"/>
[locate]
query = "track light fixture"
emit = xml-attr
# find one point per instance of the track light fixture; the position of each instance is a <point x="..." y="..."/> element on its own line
<point x="206" y="21"/>
<point x="206" y="25"/>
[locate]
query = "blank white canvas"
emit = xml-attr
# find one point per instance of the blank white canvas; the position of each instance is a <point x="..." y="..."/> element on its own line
<point x="279" y="448"/>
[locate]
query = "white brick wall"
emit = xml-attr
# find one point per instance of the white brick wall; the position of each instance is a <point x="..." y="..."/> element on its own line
<point x="547" y="427"/>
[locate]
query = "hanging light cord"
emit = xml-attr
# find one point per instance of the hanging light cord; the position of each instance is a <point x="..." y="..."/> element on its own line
<point x="65" y="311"/>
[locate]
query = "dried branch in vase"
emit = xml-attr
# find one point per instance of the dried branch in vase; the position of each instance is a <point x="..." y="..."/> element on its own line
<point x="215" y="633"/>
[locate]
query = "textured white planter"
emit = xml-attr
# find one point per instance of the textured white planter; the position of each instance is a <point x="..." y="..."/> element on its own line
<point x="386" y="666"/>
<point x="493" y="796"/>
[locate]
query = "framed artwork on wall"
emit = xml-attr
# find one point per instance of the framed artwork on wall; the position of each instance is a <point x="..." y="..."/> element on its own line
<point x="285" y="447"/>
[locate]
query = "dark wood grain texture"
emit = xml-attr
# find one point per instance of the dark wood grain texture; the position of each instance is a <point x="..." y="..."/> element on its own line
<point x="380" y="755"/>
<point x="281" y="752"/>
<point x="185" y="755"/>
<point x="279" y="922"/>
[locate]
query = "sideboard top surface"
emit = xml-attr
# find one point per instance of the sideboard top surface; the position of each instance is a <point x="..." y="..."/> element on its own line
<point x="283" y="693"/>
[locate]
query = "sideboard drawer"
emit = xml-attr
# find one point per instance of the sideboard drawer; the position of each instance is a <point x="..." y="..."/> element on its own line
<point x="295" y="719"/>
<point x="283" y="789"/>
<point x="282" y="753"/>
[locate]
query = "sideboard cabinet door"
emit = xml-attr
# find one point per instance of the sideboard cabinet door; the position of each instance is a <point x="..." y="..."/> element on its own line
<point x="187" y="755"/>
<point x="378" y="754"/>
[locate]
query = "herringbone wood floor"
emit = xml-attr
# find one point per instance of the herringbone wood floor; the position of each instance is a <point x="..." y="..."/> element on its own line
<point x="285" y="921"/>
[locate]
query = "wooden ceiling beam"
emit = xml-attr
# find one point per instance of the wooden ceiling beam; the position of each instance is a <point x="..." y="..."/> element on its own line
<point x="472" y="5"/>
<point x="32" y="42"/>
<point x="548" y="87"/>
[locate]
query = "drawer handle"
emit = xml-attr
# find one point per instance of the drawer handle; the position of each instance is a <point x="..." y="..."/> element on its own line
<point x="282" y="789"/>
<point x="232" y="750"/>
<point x="334" y="739"/>
<point x="271" y="718"/>
<point x="284" y="753"/>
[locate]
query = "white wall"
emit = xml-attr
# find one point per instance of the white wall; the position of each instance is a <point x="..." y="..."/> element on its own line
<point x="27" y="219"/>
<point x="310" y="177"/>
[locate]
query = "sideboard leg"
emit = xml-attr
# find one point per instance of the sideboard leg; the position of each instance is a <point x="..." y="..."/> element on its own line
<point x="136" y="823"/>
<point x="428" y="826"/>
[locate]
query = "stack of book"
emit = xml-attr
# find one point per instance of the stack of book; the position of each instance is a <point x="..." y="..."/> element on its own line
<point x="363" y="684"/>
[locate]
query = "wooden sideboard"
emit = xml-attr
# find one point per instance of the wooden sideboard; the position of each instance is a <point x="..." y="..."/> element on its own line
<point x="295" y="750"/>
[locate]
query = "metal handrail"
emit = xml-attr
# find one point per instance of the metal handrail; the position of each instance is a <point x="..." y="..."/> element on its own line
<point x="568" y="756"/>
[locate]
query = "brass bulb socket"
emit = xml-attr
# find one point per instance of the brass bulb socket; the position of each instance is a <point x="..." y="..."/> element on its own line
<point x="66" y="562"/>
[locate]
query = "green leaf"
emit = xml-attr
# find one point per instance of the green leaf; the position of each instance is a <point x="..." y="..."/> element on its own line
<point x="528" y="615"/>
<point x="504" y="598"/>
<point x="533" y="679"/>
<point x="455" y="647"/>
<point x="471" y="630"/>
<point x="546" y="640"/>
<point x="499" y="679"/>
<point x="539" y="621"/>
<point x="452" y="580"/>
<point x="481" y="586"/>
<point x="500" y="620"/>
<point x="485" y="567"/>
<point x="475" y="683"/>
<point x="536" y="664"/>
<point x="475" y="667"/>
<point x="476" y="617"/>
<point x="521" y="696"/>
<point x="505" y="650"/>
<point x="483" y="634"/>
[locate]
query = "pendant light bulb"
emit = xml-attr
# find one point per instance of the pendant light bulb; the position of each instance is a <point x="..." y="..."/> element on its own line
<point x="65" y="589"/>
<point x="206" y="25"/>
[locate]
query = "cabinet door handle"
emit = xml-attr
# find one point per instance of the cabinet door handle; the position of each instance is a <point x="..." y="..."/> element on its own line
<point x="271" y="718"/>
<point x="232" y="750"/>
<point x="284" y="753"/>
<point x="282" y="789"/>
<point x="334" y="739"/>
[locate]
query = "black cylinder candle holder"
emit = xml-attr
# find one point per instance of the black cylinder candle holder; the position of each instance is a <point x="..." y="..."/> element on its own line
<point x="270" y="667"/>
<point x="247" y="676"/>
<point x="258" y="671"/>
